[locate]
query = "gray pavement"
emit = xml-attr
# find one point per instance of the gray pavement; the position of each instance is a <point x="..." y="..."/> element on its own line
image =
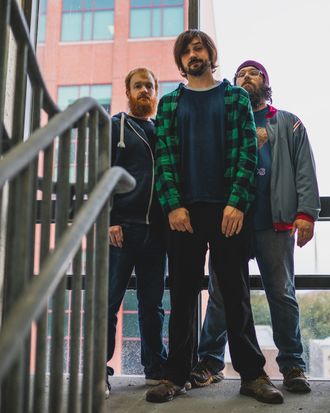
<point x="128" y="396"/>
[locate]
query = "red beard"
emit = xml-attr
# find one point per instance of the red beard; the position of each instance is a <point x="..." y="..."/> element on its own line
<point x="142" y="108"/>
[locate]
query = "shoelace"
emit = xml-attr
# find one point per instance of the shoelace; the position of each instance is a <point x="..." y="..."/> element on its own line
<point x="295" y="372"/>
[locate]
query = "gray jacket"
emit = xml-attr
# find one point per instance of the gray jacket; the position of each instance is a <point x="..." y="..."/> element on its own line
<point x="294" y="189"/>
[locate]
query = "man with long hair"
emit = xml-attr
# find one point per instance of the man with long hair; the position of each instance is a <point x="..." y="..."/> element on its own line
<point x="205" y="165"/>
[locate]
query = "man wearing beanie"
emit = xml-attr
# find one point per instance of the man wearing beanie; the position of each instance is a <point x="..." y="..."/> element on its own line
<point x="287" y="202"/>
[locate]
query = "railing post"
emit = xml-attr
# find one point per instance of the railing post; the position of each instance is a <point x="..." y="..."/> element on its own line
<point x="90" y="279"/>
<point x="4" y="41"/>
<point x="193" y="14"/>
<point x="58" y="302"/>
<point x="76" y="275"/>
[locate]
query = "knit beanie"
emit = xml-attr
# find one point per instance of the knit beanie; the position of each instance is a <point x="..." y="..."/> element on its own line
<point x="255" y="64"/>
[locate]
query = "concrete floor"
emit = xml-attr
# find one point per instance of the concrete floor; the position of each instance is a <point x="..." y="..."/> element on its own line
<point x="128" y="396"/>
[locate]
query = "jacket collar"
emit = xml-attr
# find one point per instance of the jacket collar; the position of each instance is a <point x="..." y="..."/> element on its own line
<point x="272" y="112"/>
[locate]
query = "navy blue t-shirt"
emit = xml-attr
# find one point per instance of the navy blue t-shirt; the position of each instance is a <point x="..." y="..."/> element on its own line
<point x="201" y="117"/>
<point x="262" y="209"/>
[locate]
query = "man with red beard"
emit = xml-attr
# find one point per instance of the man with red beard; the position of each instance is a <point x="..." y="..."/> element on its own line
<point x="136" y="234"/>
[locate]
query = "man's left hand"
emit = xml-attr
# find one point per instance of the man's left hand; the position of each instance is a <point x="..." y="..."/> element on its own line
<point x="305" y="231"/>
<point x="232" y="221"/>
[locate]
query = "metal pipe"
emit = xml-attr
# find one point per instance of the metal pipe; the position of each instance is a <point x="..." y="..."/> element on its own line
<point x="20" y="156"/>
<point x="29" y="307"/>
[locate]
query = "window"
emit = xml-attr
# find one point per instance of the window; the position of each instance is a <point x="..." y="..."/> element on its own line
<point x="68" y="94"/>
<point x="166" y="87"/>
<point x="84" y="20"/>
<point x="129" y="356"/>
<point x="42" y="21"/>
<point x="156" y="18"/>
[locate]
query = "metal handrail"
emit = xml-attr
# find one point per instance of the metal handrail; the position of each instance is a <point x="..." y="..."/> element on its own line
<point x="26" y="295"/>
<point x="20" y="156"/>
<point x="31" y="304"/>
<point x="20" y="29"/>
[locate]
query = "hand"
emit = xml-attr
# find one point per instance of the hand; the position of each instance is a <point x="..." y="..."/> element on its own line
<point x="232" y="221"/>
<point x="116" y="237"/>
<point x="305" y="231"/>
<point x="262" y="136"/>
<point x="179" y="220"/>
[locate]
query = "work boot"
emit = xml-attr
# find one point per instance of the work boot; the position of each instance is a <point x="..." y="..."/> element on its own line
<point x="262" y="389"/>
<point x="164" y="392"/>
<point x="204" y="373"/>
<point x="295" y="381"/>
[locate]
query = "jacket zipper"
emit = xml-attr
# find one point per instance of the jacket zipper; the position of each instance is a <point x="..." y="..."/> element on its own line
<point x="153" y="173"/>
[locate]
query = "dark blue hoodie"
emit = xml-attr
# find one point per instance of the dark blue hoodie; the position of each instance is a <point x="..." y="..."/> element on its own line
<point x="132" y="150"/>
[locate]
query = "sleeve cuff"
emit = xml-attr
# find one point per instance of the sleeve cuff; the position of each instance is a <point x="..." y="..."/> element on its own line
<point x="305" y="217"/>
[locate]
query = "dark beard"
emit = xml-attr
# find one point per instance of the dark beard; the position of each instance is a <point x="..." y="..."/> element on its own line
<point x="200" y="70"/>
<point x="142" y="108"/>
<point x="259" y="96"/>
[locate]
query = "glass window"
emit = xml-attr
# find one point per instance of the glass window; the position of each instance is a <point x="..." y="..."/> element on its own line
<point x="88" y="25"/>
<point x="172" y="21"/>
<point x="140" y="23"/>
<point x="84" y="20"/>
<point x="103" y="25"/>
<point x="150" y="18"/>
<point x="140" y="3"/>
<point x="72" y="5"/>
<point x="166" y="87"/>
<point x="314" y="326"/>
<point x="102" y="93"/>
<point x="42" y="21"/>
<point x="156" y="22"/>
<point x="68" y="94"/>
<point x="130" y="354"/>
<point x="71" y="27"/>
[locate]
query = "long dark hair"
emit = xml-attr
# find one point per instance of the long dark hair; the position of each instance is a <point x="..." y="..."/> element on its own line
<point x="183" y="41"/>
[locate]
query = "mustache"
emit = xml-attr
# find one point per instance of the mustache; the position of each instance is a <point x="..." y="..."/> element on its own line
<point x="144" y="96"/>
<point x="194" y="60"/>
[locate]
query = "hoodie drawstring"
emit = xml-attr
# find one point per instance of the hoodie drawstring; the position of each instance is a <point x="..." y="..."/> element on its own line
<point x="121" y="143"/>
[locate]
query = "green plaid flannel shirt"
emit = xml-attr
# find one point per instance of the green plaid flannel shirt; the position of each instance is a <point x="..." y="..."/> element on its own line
<point x="241" y="150"/>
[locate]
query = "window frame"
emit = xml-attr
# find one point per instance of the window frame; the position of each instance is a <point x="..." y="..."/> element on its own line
<point x="83" y="11"/>
<point x="152" y="6"/>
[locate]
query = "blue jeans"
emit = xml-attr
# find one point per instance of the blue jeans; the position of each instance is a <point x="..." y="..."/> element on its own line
<point x="144" y="249"/>
<point x="274" y="254"/>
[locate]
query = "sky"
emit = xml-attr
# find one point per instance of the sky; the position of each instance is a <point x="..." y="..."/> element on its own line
<point x="291" y="39"/>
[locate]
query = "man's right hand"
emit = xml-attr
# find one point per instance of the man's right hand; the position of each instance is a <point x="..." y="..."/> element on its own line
<point x="179" y="220"/>
<point x="116" y="236"/>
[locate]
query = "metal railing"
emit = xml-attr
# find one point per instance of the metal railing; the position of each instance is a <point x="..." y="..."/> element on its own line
<point x="37" y="255"/>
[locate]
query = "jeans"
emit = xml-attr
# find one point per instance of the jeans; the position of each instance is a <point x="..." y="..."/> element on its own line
<point x="186" y="270"/>
<point x="144" y="249"/>
<point x="274" y="254"/>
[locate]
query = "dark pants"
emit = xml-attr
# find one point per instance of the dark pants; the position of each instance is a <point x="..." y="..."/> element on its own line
<point x="144" y="249"/>
<point x="186" y="268"/>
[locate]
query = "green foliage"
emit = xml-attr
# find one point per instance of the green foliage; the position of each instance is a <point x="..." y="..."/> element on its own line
<point x="315" y="314"/>
<point x="261" y="314"/>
